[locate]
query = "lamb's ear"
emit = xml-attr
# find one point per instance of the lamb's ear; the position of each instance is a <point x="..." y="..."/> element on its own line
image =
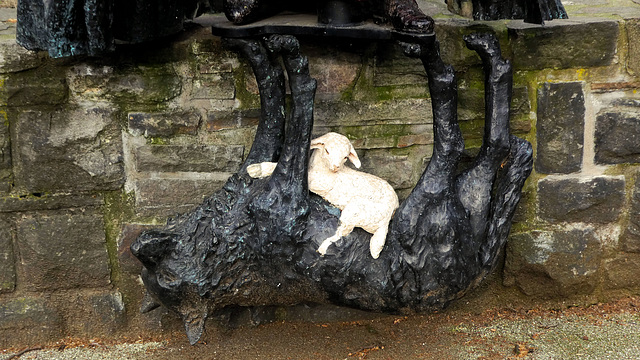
<point x="353" y="157"/>
<point x="317" y="143"/>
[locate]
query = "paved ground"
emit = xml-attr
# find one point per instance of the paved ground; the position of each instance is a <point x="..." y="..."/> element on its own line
<point x="603" y="331"/>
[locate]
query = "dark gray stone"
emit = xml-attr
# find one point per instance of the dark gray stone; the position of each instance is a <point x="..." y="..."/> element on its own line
<point x="42" y="86"/>
<point x="588" y="199"/>
<point x="553" y="264"/>
<point x="28" y="320"/>
<point x="67" y="151"/>
<point x="222" y="120"/>
<point x="617" y="137"/>
<point x="107" y="314"/>
<point x="196" y="158"/>
<point x="622" y="272"/>
<point x="16" y="58"/>
<point x="10" y="204"/>
<point x="7" y="259"/>
<point x="164" y="124"/>
<point x="397" y="170"/>
<point x="220" y="86"/>
<point x="163" y="197"/>
<point x="62" y="251"/>
<point x="563" y="44"/>
<point x="5" y="158"/>
<point x="630" y="239"/>
<point x="560" y="128"/>
<point x="144" y="85"/>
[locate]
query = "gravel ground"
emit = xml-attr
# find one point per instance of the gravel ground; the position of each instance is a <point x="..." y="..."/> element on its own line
<point x="603" y="331"/>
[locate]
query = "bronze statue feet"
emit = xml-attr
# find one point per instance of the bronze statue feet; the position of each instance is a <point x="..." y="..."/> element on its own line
<point x="405" y="15"/>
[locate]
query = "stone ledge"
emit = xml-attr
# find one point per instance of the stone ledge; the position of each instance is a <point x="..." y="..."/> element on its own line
<point x="189" y="158"/>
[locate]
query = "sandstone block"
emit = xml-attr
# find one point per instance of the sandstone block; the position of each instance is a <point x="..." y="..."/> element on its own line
<point x="195" y="158"/>
<point x="563" y="44"/>
<point x="622" y="271"/>
<point x="630" y="239"/>
<point x="586" y="199"/>
<point x="560" y="127"/>
<point x="10" y="204"/>
<point x="128" y="263"/>
<point x="223" y="120"/>
<point x="164" y="124"/>
<point x="617" y="137"/>
<point x="16" y="58"/>
<point x="553" y="264"/>
<point x="633" y="32"/>
<point x="144" y="85"/>
<point x="35" y="87"/>
<point x="219" y="86"/>
<point x="68" y="150"/>
<point x="62" y="251"/>
<point x="5" y="158"/>
<point x="28" y="320"/>
<point x="164" y="197"/>
<point x="7" y="259"/>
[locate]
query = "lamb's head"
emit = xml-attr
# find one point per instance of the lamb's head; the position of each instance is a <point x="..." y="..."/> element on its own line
<point x="335" y="149"/>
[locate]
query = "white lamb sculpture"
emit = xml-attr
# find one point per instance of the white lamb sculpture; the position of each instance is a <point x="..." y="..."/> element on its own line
<point x="366" y="201"/>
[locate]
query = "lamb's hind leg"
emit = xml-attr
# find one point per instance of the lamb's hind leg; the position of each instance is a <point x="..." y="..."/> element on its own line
<point x="474" y="187"/>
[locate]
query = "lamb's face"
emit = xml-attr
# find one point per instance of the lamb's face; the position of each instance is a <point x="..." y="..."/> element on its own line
<point x="334" y="150"/>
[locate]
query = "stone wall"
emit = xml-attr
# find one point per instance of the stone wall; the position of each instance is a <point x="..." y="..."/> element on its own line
<point x="93" y="151"/>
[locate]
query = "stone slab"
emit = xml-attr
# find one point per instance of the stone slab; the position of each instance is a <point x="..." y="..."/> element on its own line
<point x="595" y="199"/>
<point x="62" y="250"/>
<point x="69" y="150"/>
<point x="28" y="320"/>
<point x="552" y="264"/>
<point x="617" y="137"/>
<point x="630" y="238"/>
<point x="224" y="120"/>
<point x="560" y="126"/>
<point x="164" y="124"/>
<point x="32" y="202"/>
<point x="563" y="44"/>
<point x="192" y="158"/>
<point x="6" y="171"/>
<point x="622" y="272"/>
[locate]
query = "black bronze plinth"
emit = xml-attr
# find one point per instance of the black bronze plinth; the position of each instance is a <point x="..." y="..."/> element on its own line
<point x="254" y="242"/>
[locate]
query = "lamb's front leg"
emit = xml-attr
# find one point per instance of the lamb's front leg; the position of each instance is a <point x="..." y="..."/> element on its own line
<point x="474" y="187"/>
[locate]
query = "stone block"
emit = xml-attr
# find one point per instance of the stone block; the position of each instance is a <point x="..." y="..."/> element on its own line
<point x="128" y="263"/>
<point x="396" y="169"/>
<point x="630" y="238"/>
<point x="560" y="126"/>
<point x="164" y="124"/>
<point x="392" y="67"/>
<point x="93" y="313"/>
<point x="7" y="258"/>
<point x="563" y="44"/>
<point x="90" y="80"/>
<point x="223" y="120"/>
<point x="595" y="199"/>
<point x="144" y="85"/>
<point x="28" y="320"/>
<point x="43" y="86"/>
<point x="36" y="202"/>
<point x="633" y="32"/>
<point x="164" y="197"/>
<point x="389" y="112"/>
<point x="68" y="150"/>
<point x="16" y="58"/>
<point x="335" y="71"/>
<point x="552" y="264"/>
<point x="218" y="86"/>
<point x="6" y="172"/>
<point x="617" y="137"/>
<point x="194" y="158"/>
<point x="62" y="250"/>
<point x="622" y="272"/>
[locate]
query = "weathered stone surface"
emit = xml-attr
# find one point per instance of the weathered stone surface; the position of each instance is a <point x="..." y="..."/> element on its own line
<point x="353" y="113"/>
<point x="28" y="320"/>
<point x="90" y="80"/>
<point x="622" y="272"/>
<point x="596" y="199"/>
<point x="223" y="120"/>
<point x="5" y="158"/>
<point x="62" y="251"/>
<point x="10" y="204"/>
<point x="219" y="86"/>
<point x="15" y="58"/>
<point x="553" y="263"/>
<point x="392" y="67"/>
<point x="7" y="259"/>
<point x="144" y="84"/>
<point x="163" y="197"/>
<point x="633" y="32"/>
<point x="563" y="44"/>
<point x="397" y="170"/>
<point x="630" y="239"/>
<point x="68" y="150"/>
<point x="42" y="86"/>
<point x="195" y="158"/>
<point x="560" y="127"/>
<point x="164" y="124"/>
<point x="334" y="71"/>
<point x="617" y="137"/>
<point x="105" y="311"/>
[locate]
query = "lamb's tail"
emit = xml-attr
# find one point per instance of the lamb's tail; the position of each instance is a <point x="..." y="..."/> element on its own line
<point x="515" y="170"/>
